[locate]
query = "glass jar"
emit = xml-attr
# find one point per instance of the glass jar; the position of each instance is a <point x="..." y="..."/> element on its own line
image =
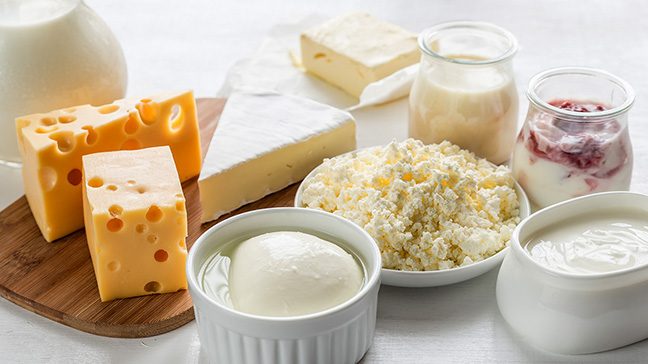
<point x="53" y="54"/>
<point x="575" y="140"/>
<point x="465" y="89"/>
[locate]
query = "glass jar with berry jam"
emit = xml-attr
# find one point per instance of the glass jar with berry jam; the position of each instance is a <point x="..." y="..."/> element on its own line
<point x="575" y="139"/>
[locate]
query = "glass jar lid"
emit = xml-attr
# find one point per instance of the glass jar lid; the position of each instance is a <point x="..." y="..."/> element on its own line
<point x="468" y="43"/>
<point x="581" y="84"/>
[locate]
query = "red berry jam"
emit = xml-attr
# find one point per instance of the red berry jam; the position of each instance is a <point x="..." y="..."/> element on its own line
<point x="577" y="106"/>
<point x="581" y="145"/>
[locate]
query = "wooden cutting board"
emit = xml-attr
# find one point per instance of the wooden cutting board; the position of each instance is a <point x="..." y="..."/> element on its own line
<point x="56" y="280"/>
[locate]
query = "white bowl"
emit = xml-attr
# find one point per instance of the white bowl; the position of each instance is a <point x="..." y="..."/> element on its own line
<point x="341" y="334"/>
<point x="570" y="313"/>
<point x="399" y="278"/>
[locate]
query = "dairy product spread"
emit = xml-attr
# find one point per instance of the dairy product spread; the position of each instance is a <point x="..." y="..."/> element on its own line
<point x="597" y="242"/>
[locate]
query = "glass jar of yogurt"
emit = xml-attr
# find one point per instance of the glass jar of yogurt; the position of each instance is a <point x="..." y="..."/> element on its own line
<point x="465" y="89"/>
<point x="575" y="139"/>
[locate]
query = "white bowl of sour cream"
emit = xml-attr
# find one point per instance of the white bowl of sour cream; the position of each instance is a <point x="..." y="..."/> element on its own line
<point x="266" y="288"/>
<point x="576" y="278"/>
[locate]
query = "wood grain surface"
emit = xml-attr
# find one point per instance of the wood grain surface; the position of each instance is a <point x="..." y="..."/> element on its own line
<point x="56" y="280"/>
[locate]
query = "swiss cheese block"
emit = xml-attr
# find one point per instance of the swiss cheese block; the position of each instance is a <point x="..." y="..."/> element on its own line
<point x="136" y="222"/>
<point x="354" y="50"/>
<point x="53" y="143"/>
<point x="264" y="142"/>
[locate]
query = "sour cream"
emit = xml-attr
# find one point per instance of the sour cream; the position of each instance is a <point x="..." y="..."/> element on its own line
<point x="593" y="243"/>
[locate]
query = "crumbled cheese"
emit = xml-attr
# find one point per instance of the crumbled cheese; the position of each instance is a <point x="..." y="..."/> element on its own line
<point x="428" y="207"/>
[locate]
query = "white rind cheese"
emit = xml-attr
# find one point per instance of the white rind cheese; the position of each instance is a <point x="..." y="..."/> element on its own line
<point x="264" y="142"/>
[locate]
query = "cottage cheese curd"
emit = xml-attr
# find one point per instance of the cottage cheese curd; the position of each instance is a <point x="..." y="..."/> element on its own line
<point x="428" y="207"/>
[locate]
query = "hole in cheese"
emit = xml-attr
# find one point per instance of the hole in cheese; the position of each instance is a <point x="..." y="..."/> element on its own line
<point x="113" y="266"/>
<point x="74" y="177"/>
<point x="115" y="210"/>
<point x="141" y="189"/>
<point x="47" y="177"/>
<point x="176" y="118"/>
<point x="152" y="286"/>
<point x="46" y="129"/>
<point x="154" y="214"/>
<point x="114" y="225"/>
<point x="130" y="182"/>
<point x="131" y="125"/>
<point x="107" y="109"/>
<point x="48" y="121"/>
<point x="65" y="119"/>
<point x="182" y="245"/>
<point x="152" y="238"/>
<point x="147" y="111"/>
<point x="161" y="255"/>
<point x="64" y="140"/>
<point x="95" y="182"/>
<point x="319" y="55"/>
<point x="180" y="205"/>
<point x="92" y="136"/>
<point x="141" y="228"/>
<point x="111" y="188"/>
<point x="131" y="144"/>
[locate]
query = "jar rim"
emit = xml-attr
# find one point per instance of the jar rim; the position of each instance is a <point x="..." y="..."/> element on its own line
<point x="593" y="116"/>
<point x="469" y="25"/>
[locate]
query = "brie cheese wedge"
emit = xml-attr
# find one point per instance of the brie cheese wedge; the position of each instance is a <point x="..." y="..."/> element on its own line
<point x="264" y="142"/>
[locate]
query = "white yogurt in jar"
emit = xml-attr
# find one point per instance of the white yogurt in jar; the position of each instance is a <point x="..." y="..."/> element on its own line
<point x="593" y="243"/>
<point x="475" y="109"/>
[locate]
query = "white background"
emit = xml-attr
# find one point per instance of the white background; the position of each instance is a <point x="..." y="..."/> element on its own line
<point x="175" y="44"/>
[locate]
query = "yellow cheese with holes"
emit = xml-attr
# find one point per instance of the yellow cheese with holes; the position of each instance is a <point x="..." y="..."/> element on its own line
<point x="354" y="50"/>
<point x="53" y="143"/>
<point x="136" y="222"/>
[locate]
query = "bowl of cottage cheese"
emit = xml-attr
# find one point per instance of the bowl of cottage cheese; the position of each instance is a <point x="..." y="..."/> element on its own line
<point x="439" y="214"/>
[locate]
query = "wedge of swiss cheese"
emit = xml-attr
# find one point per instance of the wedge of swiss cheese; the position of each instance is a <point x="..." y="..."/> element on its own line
<point x="136" y="222"/>
<point x="53" y="143"/>
<point x="264" y="142"/>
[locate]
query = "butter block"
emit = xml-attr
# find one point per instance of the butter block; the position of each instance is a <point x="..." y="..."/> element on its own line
<point x="354" y="50"/>
<point x="52" y="144"/>
<point x="264" y="142"/>
<point x="136" y="222"/>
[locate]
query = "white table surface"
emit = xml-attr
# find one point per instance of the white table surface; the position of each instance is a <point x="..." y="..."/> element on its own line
<point x="176" y="44"/>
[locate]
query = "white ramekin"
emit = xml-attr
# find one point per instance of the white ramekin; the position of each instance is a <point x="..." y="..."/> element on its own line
<point x="341" y="334"/>
<point x="569" y="313"/>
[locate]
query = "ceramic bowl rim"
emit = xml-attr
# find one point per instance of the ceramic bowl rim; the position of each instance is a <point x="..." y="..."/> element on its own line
<point x="372" y="279"/>
<point x="520" y="253"/>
